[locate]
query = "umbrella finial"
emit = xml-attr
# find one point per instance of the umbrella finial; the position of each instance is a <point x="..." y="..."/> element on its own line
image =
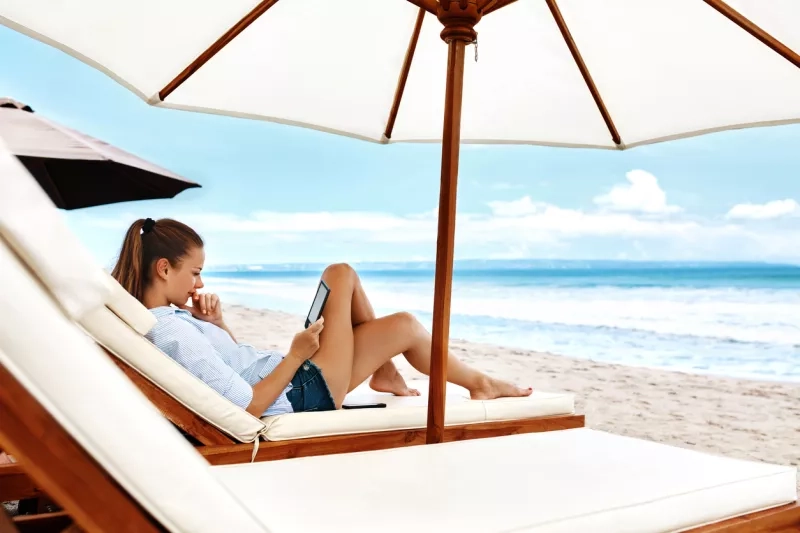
<point x="459" y="18"/>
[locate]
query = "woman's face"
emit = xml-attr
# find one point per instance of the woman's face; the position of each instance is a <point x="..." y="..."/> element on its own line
<point x="182" y="281"/>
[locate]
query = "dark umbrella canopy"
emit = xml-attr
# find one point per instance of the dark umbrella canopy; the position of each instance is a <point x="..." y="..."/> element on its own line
<point x="77" y="170"/>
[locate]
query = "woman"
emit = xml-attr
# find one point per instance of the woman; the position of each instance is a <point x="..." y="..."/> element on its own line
<point x="160" y="263"/>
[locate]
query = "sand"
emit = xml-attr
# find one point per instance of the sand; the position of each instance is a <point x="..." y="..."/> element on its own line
<point x="754" y="420"/>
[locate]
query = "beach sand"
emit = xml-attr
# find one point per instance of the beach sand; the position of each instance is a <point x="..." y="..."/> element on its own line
<point x="754" y="420"/>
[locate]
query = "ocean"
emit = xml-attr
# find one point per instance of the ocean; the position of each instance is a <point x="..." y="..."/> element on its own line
<point x="740" y="320"/>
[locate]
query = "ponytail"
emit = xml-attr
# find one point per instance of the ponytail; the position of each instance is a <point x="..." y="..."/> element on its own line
<point x="147" y="241"/>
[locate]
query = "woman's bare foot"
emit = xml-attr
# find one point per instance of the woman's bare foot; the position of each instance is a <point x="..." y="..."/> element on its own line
<point x="490" y="388"/>
<point x="388" y="379"/>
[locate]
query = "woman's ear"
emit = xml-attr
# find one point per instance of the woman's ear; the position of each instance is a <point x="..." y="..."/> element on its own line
<point x="162" y="268"/>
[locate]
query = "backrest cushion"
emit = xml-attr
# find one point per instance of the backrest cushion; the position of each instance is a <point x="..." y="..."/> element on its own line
<point x="99" y="407"/>
<point x="35" y="229"/>
<point x="129" y="309"/>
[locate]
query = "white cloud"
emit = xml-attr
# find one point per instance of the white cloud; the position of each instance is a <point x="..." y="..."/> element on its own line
<point x="641" y="194"/>
<point x="622" y="227"/>
<point x="767" y="211"/>
<point x="511" y="225"/>
<point x="513" y="208"/>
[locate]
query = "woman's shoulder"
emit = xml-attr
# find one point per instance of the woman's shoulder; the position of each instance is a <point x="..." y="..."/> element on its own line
<point x="172" y="332"/>
<point x="172" y="317"/>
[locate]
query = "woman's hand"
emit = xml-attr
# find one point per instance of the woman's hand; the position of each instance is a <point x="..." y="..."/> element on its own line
<point x="306" y="343"/>
<point x="206" y="307"/>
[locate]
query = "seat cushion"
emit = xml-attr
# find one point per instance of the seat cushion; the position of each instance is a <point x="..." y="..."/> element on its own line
<point x="556" y="482"/>
<point x="411" y="412"/>
<point x="38" y="234"/>
<point x="139" y="353"/>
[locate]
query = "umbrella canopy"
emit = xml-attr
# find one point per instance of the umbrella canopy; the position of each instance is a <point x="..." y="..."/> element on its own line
<point x="661" y="68"/>
<point x="584" y="73"/>
<point x="77" y="170"/>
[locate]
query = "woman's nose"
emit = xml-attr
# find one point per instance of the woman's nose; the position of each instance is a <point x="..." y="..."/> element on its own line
<point x="199" y="284"/>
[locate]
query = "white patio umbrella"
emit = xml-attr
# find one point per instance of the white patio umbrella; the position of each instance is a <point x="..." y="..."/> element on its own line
<point x="583" y="73"/>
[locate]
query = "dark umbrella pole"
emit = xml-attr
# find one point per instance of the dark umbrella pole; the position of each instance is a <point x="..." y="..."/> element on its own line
<point x="77" y="170"/>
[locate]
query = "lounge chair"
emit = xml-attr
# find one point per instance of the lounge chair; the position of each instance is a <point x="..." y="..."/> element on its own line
<point x="208" y="417"/>
<point x="120" y="333"/>
<point x="76" y="424"/>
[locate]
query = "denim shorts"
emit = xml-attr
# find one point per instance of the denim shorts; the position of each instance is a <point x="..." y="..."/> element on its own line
<point x="309" y="390"/>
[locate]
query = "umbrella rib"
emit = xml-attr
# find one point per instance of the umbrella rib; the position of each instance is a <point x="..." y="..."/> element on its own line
<point x="587" y="77"/>
<point x="484" y="5"/>
<point x="401" y="81"/>
<point x="490" y="6"/>
<point x="430" y="6"/>
<point x="753" y="29"/>
<point x="218" y="45"/>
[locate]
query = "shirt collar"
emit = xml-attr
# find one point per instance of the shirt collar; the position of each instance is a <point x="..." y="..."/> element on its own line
<point x="166" y="310"/>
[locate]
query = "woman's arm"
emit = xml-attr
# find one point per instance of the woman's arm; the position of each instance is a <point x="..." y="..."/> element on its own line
<point x="266" y="391"/>
<point x="187" y="346"/>
<point x="223" y="326"/>
<point x="207" y="307"/>
<point x="304" y="345"/>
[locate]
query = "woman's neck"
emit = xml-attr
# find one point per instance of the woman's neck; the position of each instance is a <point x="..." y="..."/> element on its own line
<point x="153" y="298"/>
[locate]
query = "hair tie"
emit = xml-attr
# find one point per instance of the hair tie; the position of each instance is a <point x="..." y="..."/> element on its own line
<point x="147" y="227"/>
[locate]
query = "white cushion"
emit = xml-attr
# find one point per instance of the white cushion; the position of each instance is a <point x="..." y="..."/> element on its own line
<point x="91" y="398"/>
<point x="128" y="308"/>
<point x="36" y="230"/>
<point x="411" y="412"/>
<point x="110" y="331"/>
<point x="555" y="482"/>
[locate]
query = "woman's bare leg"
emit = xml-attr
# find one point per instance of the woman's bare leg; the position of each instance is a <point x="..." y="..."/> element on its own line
<point x="378" y="340"/>
<point x="386" y="378"/>
<point x="347" y="356"/>
<point x="335" y="354"/>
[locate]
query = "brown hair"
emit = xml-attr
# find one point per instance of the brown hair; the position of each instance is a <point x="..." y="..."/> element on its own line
<point x="146" y="242"/>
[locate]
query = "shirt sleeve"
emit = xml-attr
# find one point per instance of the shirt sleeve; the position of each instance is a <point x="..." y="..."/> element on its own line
<point x="189" y="348"/>
<point x="262" y="367"/>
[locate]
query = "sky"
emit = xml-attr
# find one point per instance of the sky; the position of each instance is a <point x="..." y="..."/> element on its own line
<point x="274" y="193"/>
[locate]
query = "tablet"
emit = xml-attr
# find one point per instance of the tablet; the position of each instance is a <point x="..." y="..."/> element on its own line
<point x="318" y="304"/>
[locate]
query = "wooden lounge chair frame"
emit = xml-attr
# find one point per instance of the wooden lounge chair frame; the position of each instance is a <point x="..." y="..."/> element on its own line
<point x="90" y="497"/>
<point x="218" y="448"/>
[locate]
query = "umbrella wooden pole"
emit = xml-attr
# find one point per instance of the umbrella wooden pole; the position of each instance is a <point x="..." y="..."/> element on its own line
<point x="458" y="17"/>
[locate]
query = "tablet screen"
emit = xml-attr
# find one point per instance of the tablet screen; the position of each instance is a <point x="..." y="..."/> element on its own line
<point x="319" y="302"/>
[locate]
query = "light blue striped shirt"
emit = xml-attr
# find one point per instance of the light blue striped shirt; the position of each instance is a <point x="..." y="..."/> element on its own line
<point x="209" y="353"/>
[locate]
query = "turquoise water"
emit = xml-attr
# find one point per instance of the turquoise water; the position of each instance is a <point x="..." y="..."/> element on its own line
<point x="729" y="319"/>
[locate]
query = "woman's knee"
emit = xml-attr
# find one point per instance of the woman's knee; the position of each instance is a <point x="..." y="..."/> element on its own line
<point x="338" y="270"/>
<point x="408" y="322"/>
